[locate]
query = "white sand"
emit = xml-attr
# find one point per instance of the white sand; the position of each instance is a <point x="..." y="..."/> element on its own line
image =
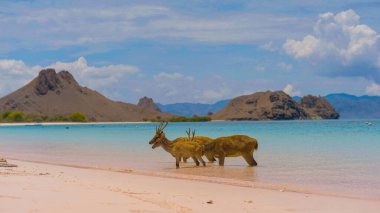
<point x="36" y="187"/>
<point x="70" y="123"/>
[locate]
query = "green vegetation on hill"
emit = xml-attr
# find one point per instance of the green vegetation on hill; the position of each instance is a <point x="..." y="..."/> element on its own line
<point x="78" y="117"/>
<point x="181" y="119"/>
<point x="190" y="119"/>
<point x="60" y="118"/>
<point x="14" y="117"/>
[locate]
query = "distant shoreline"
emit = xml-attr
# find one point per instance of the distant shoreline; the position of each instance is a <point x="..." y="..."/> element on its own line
<point x="147" y="122"/>
<point x="71" y="123"/>
<point x="92" y="123"/>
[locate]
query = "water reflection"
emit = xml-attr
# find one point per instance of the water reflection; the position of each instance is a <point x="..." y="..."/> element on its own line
<point x="213" y="170"/>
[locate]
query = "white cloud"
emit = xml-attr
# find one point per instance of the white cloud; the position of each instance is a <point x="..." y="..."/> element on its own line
<point x="15" y="73"/>
<point x="92" y="76"/>
<point x="176" y="87"/>
<point x="284" y="66"/>
<point x="301" y="49"/>
<point x="339" y="46"/>
<point x="115" y="81"/>
<point x="260" y="68"/>
<point x="173" y="76"/>
<point x="16" y="68"/>
<point x="373" y="89"/>
<point x="289" y="89"/>
<point x="268" y="46"/>
<point x="173" y="84"/>
<point x="218" y="94"/>
<point x="56" y="27"/>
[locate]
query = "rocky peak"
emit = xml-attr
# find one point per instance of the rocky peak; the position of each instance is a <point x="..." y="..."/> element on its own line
<point x="148" y="104"/>
<point x="282" y="107"/>
<point x="262" y="106"/>
<point x="318" y="107"/>
<point x="67" y="77"/>
<point x="49" y="80"/>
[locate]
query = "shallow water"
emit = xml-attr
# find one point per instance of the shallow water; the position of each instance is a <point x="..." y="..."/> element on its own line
<point x="337" y="156"/>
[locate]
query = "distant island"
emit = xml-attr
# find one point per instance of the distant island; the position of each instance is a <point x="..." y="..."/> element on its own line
<point x="348" y="106"/>
<point x="57" y="97"/>
<point x="276" y="106"/>
<point x="53" y="96"/>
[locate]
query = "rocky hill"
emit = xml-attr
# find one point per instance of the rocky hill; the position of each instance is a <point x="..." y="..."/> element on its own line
<point x="148" y="105"/>
<point x="275" y="106"/>
<point x="318" y="107"/>
<point x="55" y="94"/>
<point x="262" y="106"/>
<point x="348" y="106"/>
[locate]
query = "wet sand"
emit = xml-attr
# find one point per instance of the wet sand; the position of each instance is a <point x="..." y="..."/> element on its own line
<point x="38" y="187"/>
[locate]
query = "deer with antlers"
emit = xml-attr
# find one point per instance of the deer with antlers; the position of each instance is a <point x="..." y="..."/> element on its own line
<point x="178" y="150"/>
<point x="201" y="140"/>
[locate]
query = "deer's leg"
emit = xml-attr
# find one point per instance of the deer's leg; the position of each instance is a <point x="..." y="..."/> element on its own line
<point x="250" y="160"/>
<point x="221" y="159"/>
<point x="201" y="160"/>
<point x="195" y="160"/>
<point x="184" y="159"/>
<point x="177" y="159"/>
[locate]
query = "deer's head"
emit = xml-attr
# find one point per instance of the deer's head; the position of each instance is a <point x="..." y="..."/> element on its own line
<point x="159" y="137"/>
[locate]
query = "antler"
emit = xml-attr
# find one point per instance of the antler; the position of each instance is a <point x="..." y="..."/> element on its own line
<point x="164" y="125"/>
<point x="188" y="134"/>
<point x="161" y="126"/>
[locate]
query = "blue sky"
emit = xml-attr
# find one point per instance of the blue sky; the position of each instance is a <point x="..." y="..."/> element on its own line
<point x="194" y="51"/>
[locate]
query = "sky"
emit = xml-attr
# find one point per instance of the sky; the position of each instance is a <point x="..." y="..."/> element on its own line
<point x="194" y="50"/>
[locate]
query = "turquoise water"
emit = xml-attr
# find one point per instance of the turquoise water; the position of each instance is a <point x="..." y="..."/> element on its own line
<point x="333" y="156"/>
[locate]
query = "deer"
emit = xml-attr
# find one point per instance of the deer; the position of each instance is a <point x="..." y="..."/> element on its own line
<point x="178" y="149"/>
<point x="232" y="146"/>
<point x="201" y="140"/>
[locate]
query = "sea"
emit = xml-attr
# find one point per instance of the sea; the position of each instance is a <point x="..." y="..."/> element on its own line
<point x="333" y="156"/>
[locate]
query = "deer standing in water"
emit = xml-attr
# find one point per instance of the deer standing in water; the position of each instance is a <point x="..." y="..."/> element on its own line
<point x="232" y="146"/>
<point x="201" y="140"/>
<point x="178" y="149"/>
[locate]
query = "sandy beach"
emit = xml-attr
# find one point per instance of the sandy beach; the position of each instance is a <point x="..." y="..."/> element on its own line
<point x="69" y="123"/>
<point x="37" y="187"/>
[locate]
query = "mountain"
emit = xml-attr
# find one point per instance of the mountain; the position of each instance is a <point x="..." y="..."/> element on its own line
<point x="54" y="94"/>
<point x="276" y="106"/>
<point x="262" y="106"/>
<point x="350" y="106"/>
<point x="148" y="105"/>
<point x="190" y="109"/>
<point x="318" y="108"/>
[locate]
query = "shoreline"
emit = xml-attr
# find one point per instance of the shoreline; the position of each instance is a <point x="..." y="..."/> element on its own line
<point x="148" y="122"/>
<point x="37" y="187"/>
<point x="282" y="187"/>
<point x="71" y="123"/>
